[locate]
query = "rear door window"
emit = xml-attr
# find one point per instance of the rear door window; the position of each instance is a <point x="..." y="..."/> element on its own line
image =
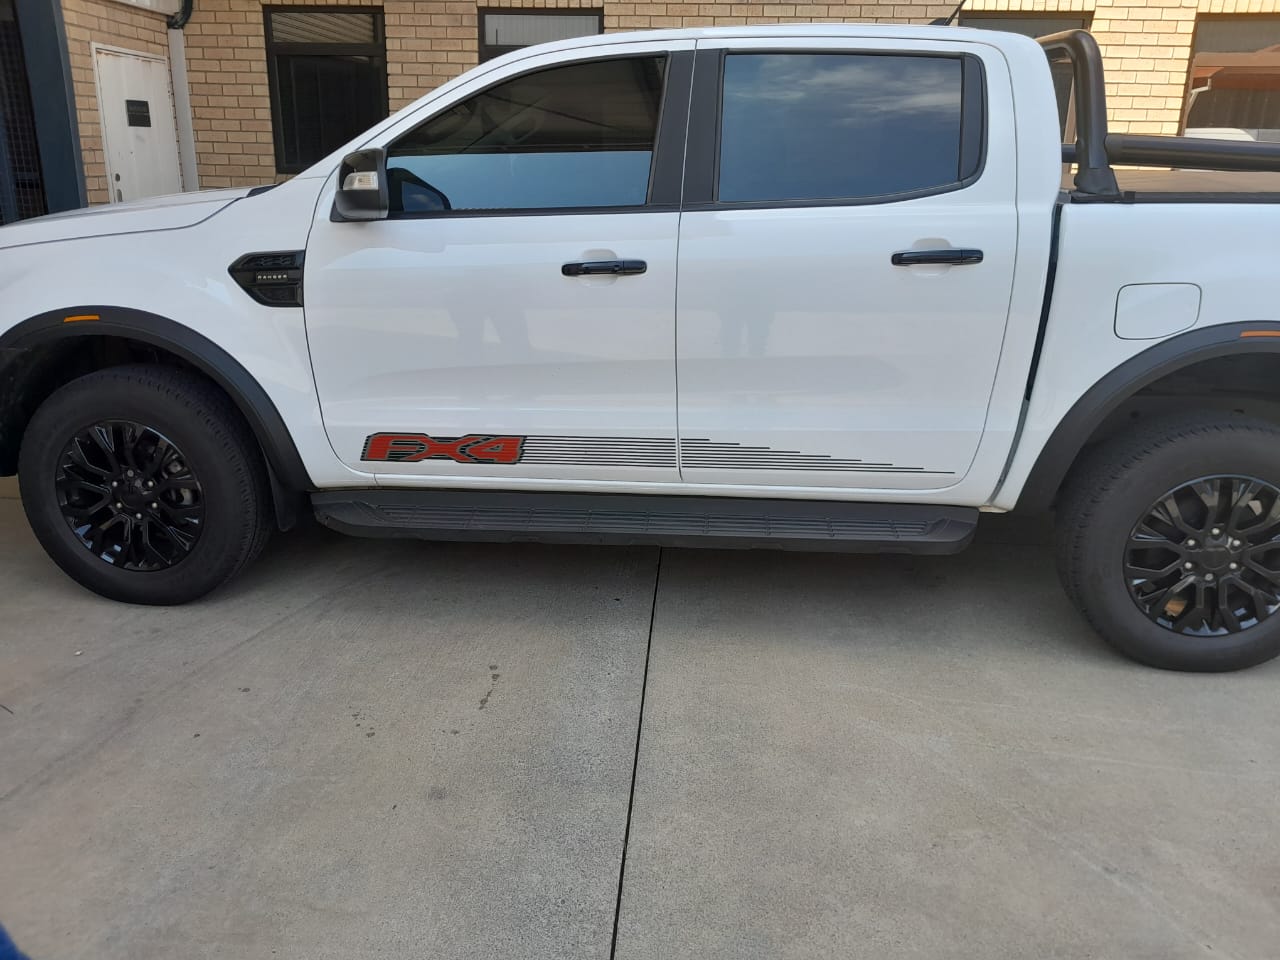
<point x="845" y="127"/>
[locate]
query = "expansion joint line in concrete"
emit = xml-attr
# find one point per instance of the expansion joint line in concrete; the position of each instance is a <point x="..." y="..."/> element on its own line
<point x="635" y="760"/>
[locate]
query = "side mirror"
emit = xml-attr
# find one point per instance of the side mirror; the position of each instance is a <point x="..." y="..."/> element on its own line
<point x="362" y="187"/>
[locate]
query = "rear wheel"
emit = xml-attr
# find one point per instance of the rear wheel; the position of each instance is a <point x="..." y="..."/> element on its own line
<point x="144" y="484"/>
<point x="1169" y="542"/>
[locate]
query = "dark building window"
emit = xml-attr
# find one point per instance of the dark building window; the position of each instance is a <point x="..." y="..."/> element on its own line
<point x="328" y="72"/>
<point x="1033" y="25"/>
<point x="504" y="30"/>
<point x="21" y="186"/>
<point x="1233" y="91"/>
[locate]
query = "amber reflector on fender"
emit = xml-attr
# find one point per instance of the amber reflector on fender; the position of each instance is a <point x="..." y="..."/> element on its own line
<point x="1261" y="333"/>
<point x="81" y="316"/>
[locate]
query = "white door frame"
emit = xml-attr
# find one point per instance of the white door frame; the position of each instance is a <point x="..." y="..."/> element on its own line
<point x="181" y="91"/>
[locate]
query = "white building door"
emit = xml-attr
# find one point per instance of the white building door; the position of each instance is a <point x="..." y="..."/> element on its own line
<point x="135" y="103"/>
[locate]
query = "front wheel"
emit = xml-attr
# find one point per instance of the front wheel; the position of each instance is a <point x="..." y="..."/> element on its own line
<point x="1169" y="542"/>
<point x="143" y="484"/>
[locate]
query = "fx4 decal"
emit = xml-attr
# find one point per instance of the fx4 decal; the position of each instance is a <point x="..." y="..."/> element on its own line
<point x="413" y="447"/>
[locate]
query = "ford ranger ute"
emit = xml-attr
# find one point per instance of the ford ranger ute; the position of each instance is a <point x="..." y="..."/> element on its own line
<point x="834" y="287"/>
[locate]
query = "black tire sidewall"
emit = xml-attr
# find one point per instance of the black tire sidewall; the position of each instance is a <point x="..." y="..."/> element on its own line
<point x="1100" y="584"/>
<point x="213" y="452"/>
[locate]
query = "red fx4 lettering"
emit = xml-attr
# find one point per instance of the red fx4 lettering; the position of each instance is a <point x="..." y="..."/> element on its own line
<point x="414" y="447"/>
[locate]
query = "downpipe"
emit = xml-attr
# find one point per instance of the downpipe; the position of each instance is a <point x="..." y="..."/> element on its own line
<point x="182" y="95"/>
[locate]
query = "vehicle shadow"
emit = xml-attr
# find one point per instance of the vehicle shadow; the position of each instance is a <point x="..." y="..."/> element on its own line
<point x="1001" y="596"/>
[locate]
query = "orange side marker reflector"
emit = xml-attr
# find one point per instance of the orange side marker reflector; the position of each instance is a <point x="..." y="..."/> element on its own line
<point x="82" y="316"/>
<point x="1261" y="333"/>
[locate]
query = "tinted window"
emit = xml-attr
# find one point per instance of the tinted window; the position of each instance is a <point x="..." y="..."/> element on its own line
<point x="575" y="136"/>
<point x="838" y="126"/>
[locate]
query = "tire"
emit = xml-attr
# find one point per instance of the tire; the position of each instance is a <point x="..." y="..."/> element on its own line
<point x="1217" y="478"/>
<point x="200" y="489"/>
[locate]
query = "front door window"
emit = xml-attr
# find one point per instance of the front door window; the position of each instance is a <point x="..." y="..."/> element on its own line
<point x="571" y="137"/>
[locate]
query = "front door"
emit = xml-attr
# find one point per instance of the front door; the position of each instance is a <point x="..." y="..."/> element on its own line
<point x="846" y="259"/>
<point x="139" y="137"/>
<point x="480" y="331"/>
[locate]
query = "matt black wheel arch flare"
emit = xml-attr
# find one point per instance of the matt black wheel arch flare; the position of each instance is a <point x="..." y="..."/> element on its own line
<point x="288" y="473"/>
<point x="1118" y="386"/>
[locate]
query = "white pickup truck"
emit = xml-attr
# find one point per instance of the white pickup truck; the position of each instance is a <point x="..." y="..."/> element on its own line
<point x="813" y="287"/>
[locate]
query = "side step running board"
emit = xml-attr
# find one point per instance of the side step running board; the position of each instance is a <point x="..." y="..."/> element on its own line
<point x="678" y="521"/>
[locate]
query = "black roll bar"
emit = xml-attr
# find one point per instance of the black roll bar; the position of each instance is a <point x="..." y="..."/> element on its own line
<point x="1095" y="150"/>
<point x="1093" y="167"/>
<point x="1193" y="152"/>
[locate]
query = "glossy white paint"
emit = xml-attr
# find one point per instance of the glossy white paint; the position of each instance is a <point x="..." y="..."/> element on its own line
<point x="796" y="332"/>
<point x="181" y="273"/>
<point x="405" y="390"/>
<point x="451" y="326"/>
<point x="1152" y="311"/>
<point x="120" y="219"/>
<point x="401" y="315"/>
<point x="1105" y="247"/>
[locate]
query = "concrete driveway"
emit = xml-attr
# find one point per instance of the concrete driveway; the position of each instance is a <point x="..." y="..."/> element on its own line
<point x="380" y="749"/>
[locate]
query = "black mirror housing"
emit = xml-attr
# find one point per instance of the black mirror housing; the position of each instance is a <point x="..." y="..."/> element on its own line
<point x="362" y="187"/>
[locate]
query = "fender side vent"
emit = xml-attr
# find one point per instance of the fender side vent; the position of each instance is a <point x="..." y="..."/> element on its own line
<point x="273" y="279"/>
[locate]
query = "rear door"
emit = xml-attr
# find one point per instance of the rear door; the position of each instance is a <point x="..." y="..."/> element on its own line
<point x="846" y="261"/>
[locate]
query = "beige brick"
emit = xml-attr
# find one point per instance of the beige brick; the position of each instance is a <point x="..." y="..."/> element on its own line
<point x="1147" y="44"/>
<point x="1148" y="126"/>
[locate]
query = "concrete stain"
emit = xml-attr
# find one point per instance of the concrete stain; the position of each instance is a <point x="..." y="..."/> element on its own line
<point x="493" y="675"/>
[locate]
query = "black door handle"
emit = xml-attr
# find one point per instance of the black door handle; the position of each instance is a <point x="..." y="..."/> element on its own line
<point x="604" y="268"/>
<point x="952" y="256"/>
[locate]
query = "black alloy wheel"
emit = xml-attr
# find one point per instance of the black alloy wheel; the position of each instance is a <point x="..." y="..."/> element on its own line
<point x="1205" y="558"/>
<point x="1168" y="540"/>
<point x="158" y="495"/>
<point x="127" y="492"/>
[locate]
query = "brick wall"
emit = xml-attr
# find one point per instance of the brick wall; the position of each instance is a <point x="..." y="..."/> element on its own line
<point x="431" y="41"/>
<point x="428" y="42"/>
<point x="730" y="13"/>
<point x="111" y="24"/>
<point x="1146" y="45"/>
